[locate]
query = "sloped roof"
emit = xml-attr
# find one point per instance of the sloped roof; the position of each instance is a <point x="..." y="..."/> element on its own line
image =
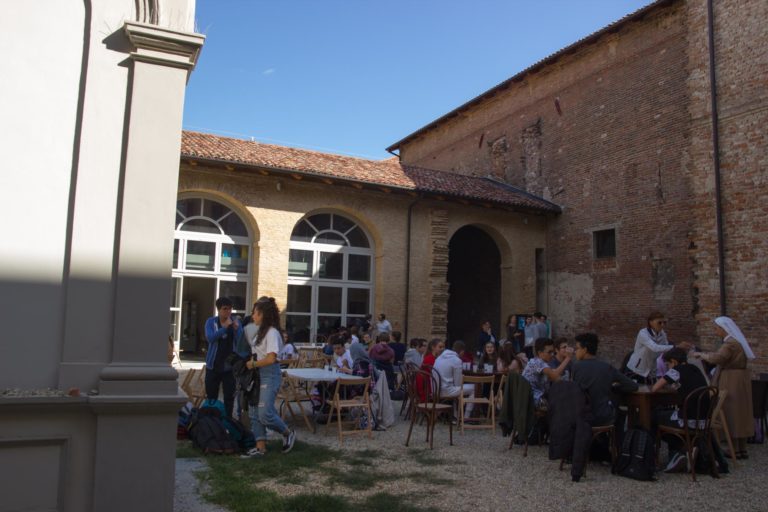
<point x="389" y="173"/>
<point x="613" y="27"/>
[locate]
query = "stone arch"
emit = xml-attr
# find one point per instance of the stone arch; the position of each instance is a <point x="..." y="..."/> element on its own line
<point x="474" y="282"/>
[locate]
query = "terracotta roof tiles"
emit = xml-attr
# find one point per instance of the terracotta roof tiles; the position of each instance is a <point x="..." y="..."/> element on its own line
<point x="385" y="173"/>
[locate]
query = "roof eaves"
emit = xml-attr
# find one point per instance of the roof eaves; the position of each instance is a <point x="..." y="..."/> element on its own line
<point x="552" y="206"/>
<point x="612" y="27"/>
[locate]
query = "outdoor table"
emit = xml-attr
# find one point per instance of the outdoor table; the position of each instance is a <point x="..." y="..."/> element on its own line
<point x="642" y="402"/>
<point x="322" y="376"/>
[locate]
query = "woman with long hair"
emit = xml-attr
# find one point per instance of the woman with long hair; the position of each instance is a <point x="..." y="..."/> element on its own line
<point x="434" y="349"/>
<point x="263" y="334"/>
<point x="509" y="361"/>
<point x="733" y="375"/>
<point x="489" y="357"/>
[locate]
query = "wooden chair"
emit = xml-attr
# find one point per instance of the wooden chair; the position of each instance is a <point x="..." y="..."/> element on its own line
<point x="500" y="392"/>
<point x="719" y="424"/>
<point x="488" y="401"/>
<point x="314" y="362"/>
<point x="194" y="386"/>
<point x="429" y="409"/>
<point x="702" y="401"/>
<point x="291" y="392"/>
<point x="409" y="371"/>
<point x="361" y="403"/>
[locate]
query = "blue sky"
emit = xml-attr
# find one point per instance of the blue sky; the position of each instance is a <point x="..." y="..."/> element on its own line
<point x="354" y="76"/>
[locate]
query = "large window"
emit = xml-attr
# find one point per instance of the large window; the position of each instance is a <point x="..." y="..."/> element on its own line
<point x="330" y="276"/>
<point x="211" y="258"/>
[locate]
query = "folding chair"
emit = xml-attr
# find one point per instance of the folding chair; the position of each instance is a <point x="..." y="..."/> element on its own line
<point x="360" y="403"/>
<point x="292" y="393"/>
<point x="488" y="401"/>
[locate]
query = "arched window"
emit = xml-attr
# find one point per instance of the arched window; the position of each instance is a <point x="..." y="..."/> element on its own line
<point x="211" y="258"/>
<point x="330" y="275"/>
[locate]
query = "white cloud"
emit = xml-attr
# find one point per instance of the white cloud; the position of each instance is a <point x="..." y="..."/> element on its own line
<point x="268" y="71"/>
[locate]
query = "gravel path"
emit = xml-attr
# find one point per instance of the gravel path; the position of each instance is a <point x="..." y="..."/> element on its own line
<point x="479" y="474"/>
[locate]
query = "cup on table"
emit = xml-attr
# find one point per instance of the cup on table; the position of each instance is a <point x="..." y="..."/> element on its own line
<point x="327" y="367"/>
<point x="488" y="368"/>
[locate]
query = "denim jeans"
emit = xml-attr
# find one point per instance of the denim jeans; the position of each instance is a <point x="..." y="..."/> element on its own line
<point x="265" y="415"/>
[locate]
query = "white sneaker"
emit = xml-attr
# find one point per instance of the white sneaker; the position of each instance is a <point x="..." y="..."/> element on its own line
<point x="253" y="452"/>
<point x="677" y="463"/>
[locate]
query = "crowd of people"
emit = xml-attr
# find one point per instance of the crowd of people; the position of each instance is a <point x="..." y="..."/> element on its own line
<point x="527" y="350"/>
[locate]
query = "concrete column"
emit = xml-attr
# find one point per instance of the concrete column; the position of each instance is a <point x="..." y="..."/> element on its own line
<point x="138" y="395"/>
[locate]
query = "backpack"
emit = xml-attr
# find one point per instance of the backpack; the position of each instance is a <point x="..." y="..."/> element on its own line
<point x="637" y="458"/>
<point x="207" y="431"/>
<point x="241" y="435"/>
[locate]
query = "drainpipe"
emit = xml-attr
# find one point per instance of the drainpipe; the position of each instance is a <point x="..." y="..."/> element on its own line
<point x="408" y="267"/>
<point x="716" y="152"/>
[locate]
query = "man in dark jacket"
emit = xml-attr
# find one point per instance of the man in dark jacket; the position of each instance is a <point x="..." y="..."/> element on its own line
<point x="599" y="380"/>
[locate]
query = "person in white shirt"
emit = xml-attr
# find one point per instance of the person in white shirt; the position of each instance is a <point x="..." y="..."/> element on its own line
<point x="651" y="341"/>
<point x="341" y="356"/>
<point x="353" y="332"/>
<point x="448" y="367"/>
<point x="263" y="335"/>
<point x="383" y="324"/>
<point x="289" y="349"/>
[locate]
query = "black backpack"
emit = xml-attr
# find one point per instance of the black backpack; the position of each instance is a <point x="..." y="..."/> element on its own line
<point x="637" y="459"/>
<point x="207" y="432"/>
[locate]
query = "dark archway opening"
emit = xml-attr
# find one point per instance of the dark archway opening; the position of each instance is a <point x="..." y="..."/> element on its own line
<point x="474" y="285"/>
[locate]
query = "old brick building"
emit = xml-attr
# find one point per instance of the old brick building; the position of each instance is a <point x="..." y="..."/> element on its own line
<point x="616" y="130"/>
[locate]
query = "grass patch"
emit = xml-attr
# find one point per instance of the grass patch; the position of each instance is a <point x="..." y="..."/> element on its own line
<point x="386" y="502"/>
<point x="363" y="457"/>
<point x="357" y="479"/>
<point x="186" y="450"/>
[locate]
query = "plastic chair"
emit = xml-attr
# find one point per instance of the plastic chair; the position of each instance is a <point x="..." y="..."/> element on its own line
<point x="360" y="403"/>
<point x="430" y="409"/>
<point x="702" y="401"/>
<point x="488" y="401"/>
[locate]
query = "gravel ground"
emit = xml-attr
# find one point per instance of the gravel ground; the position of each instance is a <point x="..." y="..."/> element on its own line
<point x="479" y="474"/>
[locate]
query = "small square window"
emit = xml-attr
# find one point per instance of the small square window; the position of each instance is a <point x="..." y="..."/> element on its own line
<point x="604" y="243"/>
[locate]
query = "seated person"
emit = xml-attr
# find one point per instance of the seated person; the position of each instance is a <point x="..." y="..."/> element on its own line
<point x="415" y="352"/>
<point x="383" y="357"/>
<point x="342" y="359"/>
<point x="599" y="380"/>
<point x="397" y="346"/>
<point x="448" y="367"/>
<point x="508" y="360"/>
<point x="353" y="334"/>
<point x="465" y="355"/>
<point x="489" y="358"/>
<point x="539" y="373"/>
<point x="289" y="349"/>
<point x="561" y="352"/>
<point x="328" y="346"/>
<point x="685" y="378"/>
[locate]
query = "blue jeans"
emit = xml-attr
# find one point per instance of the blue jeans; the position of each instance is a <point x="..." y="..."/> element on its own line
<point x="265" y="415"/>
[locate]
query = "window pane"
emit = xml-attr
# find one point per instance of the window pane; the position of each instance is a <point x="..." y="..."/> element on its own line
<point x="321" y="221"/>
<point x="300" y="263"/>
<point x="342" y="224"/>
<point x="327" y="323"/>
<point x="357" y="238"/>
<point x="175" y="315"/>
<point x="188" y="207"/>
<point x="234" y="258"/>
<point x="175" y="254"/>
<point x="605" y="243"/>
<point x="331" y="265"/>
<point x="213" y="209"/>
<point x="236" y="291"/>
<point x="359" y="267"/>
<point x="330" y="238"/>
<point x="303" y="232"/>
<point x="357" y="301"/>
<point x="328" y="299"/>
<point x="297" y="327"/>
<point x="299" y="299"/>
<point x="233" y="225"/>
<point x="179" y="220"/>
<point x="201" y="226"/>
<point x="200" y="255"/>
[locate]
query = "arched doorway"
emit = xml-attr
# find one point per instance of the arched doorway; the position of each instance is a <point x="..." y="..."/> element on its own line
<point x="474" y="285"/>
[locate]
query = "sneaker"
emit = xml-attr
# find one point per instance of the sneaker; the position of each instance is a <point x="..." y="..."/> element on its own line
<point x="677" y="463"/>
<point x="289" y="440"/>
<point x="253" y="452"/>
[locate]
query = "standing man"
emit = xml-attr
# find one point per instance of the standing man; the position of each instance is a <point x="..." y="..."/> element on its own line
<point x="486" y="335"/>
<point x="222" y="332"/>
<point x="540" y="325"/>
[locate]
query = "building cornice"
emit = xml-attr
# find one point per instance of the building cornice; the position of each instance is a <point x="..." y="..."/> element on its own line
<point x="164" y="46"/>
